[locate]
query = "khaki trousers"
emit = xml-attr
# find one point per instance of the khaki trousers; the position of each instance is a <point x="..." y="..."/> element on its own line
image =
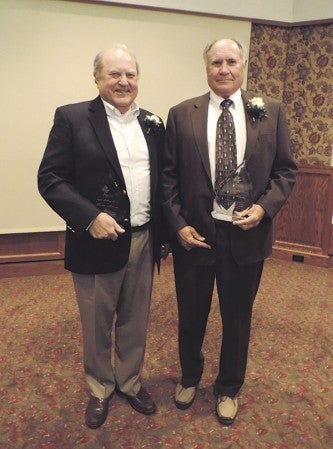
<point x="121" y="298"/>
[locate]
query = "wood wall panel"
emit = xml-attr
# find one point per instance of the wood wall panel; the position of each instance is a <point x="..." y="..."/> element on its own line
<point x="303" y="232"/>
<point x="31" y="246"/>
<point x="330" y="248"/>
<point x="303" y="227"/>
<point x="31" y="253"/>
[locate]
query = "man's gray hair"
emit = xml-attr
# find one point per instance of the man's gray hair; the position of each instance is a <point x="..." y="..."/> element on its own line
<point x="98" y="61"/>
<point x="240" y="45"/>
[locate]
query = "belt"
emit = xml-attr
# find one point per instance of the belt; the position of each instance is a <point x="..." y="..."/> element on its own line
<point x="141" y="227"/>
<point x="222" y="224"/>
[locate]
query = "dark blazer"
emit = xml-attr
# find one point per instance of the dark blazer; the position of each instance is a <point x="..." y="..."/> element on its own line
<point x="188" y="192"/>
<point x="79" y="166"/>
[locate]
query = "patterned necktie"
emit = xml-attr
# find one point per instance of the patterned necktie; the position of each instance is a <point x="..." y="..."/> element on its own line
<point x="226" y="156"/>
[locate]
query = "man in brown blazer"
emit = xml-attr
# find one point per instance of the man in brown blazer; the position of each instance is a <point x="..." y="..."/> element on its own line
<point x="100" y="173"/>
<point x="212" y="241"/>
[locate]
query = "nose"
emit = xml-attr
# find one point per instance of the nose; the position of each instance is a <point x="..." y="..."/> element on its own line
<point x="123" y="79"/>
<point x="224" y="67"/>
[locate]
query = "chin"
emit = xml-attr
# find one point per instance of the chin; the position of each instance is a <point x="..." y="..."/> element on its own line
<point x="224" y="93"/>
<point x="123" y="107"/>
<point x="223" y="90"/>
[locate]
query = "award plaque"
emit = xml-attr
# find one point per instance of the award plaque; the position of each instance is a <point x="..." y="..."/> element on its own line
<point x="113" y="200"/>
<point x="236" y="190"/>
<point x="243" y="188"/>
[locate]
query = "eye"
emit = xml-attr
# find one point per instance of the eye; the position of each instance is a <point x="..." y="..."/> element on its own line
<point x="216" y="62"/>
<point x="114" y="75"/>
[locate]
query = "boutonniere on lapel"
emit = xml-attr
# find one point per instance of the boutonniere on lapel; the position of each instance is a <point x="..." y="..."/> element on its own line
<point x="152" y="122"/>
<point x="256" y="108"/>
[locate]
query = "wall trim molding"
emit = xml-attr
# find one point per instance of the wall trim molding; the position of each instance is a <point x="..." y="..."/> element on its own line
<point x="21" y="269"/>
<point x="288" y="14"/>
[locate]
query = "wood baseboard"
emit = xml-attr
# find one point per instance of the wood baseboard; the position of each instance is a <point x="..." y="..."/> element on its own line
<point x="32" y="247"/>
<point x="302" y="256"/>
<point x="20" y="269"/>
<point x="32" y="254"/>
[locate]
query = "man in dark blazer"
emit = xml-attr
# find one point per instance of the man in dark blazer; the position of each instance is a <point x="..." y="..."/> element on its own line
<point x="100" y="173"/>
<point x="215" y="242"/>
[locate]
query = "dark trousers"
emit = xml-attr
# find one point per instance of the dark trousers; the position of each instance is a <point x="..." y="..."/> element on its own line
<point x="237" y="286"/>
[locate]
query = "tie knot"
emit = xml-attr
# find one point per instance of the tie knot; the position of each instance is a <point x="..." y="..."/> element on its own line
<point x="226" y="103"/>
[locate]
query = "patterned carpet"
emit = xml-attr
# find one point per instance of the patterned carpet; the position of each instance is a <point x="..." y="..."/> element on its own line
<point x="285" y="403"/>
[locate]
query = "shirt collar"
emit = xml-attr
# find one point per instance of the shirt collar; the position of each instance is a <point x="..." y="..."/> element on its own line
<point x="113" y="112"/>
<point x="236" y="97"/>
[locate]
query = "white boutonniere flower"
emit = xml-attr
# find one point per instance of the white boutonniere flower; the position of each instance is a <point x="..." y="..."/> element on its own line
<point x="256" y="108"/>
<point x="152" y="122"/>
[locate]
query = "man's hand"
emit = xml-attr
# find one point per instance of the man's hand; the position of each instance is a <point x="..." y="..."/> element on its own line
<point x="105" y="227"/>
<point x="249" y="218"/>
<point x="189" y="238"/>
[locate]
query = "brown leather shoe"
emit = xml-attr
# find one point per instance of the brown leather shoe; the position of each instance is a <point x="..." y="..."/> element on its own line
<point x="96" y="411"/>
<point x="141" y="402"/>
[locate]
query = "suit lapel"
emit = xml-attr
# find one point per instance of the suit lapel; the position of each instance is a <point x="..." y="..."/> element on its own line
<point x="99" y="122"/>
<point x="252" y="129"/>
<point x="199" y="124"/>
<point x="151" y="144"/>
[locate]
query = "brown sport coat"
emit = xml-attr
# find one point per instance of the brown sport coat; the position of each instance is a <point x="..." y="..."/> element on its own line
<point x="188" y="192"/>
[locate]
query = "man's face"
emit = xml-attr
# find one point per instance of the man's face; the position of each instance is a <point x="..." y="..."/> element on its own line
<point x="225" y="68"/>
<point x="117" y="82"/>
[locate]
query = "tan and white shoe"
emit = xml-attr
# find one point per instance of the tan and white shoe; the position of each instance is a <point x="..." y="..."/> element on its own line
<point x="226" y="409"/>
<point x="184" y="397"/>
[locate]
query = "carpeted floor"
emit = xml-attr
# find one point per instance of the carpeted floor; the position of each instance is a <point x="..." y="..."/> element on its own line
<point x="286" y="402"/>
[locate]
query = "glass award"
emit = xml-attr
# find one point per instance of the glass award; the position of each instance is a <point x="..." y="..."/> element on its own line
<point x="112" y="200"/>
<point x="235" y="191"/>
<point x="243" y="189"/>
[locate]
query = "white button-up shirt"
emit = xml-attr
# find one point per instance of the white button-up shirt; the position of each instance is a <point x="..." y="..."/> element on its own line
<point x="133" y="156"/>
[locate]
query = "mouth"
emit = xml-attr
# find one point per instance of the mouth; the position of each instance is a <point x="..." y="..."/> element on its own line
<point x="122" y="93"/>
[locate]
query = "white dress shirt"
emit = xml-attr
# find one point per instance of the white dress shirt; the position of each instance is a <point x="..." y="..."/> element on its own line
<point x="133" y="156"/>
<point x="238" y="114"/>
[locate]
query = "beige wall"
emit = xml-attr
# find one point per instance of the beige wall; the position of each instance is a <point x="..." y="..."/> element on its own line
<point x="47" y="48"/>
